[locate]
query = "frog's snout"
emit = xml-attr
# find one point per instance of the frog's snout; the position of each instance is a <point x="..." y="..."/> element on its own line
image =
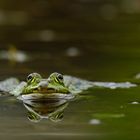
<point x="43" y="84"/>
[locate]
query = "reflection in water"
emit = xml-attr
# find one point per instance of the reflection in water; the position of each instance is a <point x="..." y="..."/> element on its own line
<point x="48" y="109"/>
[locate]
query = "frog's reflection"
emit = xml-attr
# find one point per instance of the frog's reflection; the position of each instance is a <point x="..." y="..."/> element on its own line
<point x="48" y="109"/>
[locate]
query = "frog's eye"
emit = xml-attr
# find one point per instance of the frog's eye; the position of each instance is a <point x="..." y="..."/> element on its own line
<point x="29" y="77"/>
<point x="56" y="77"/>
<point x="60" y="77"/>
<point x="33" y="76"/>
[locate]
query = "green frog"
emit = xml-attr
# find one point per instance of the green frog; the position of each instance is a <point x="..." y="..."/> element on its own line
<point x="35" y="84"/>
<point x="41" y="89"/>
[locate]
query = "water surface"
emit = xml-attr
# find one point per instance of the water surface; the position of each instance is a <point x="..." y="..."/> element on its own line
<point x="98" y="113"/>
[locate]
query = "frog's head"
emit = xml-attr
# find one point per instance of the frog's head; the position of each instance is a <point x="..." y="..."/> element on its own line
<point x="56" y="83"/>
<point x="36" y="84"/>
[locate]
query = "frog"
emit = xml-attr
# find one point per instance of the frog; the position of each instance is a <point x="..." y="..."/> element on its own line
<point x="40" y="88"/>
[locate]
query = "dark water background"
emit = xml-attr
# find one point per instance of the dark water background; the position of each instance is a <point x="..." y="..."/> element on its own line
<point x="97" y="40"/>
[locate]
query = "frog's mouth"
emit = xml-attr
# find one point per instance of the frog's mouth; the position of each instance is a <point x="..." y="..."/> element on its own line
<point x="47" y="90"/>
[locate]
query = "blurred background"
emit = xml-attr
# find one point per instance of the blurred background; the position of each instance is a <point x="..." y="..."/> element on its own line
<point x="93" y="39"/>
<point x="97" y="40"/>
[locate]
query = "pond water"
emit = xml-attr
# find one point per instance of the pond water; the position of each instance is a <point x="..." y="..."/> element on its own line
<point x="97" y="113"/>
<point x="93" y="40"/>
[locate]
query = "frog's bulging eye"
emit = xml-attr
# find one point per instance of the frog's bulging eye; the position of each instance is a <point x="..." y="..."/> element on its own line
<point x="60" y="77"/>
<point x="33" y="76"/>
<point x="56" y="77"/>
<point x="29" y="77"/>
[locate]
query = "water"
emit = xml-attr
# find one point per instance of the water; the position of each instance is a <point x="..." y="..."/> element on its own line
<point x="93" y="40"/>
<point x="98" y="113"/>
